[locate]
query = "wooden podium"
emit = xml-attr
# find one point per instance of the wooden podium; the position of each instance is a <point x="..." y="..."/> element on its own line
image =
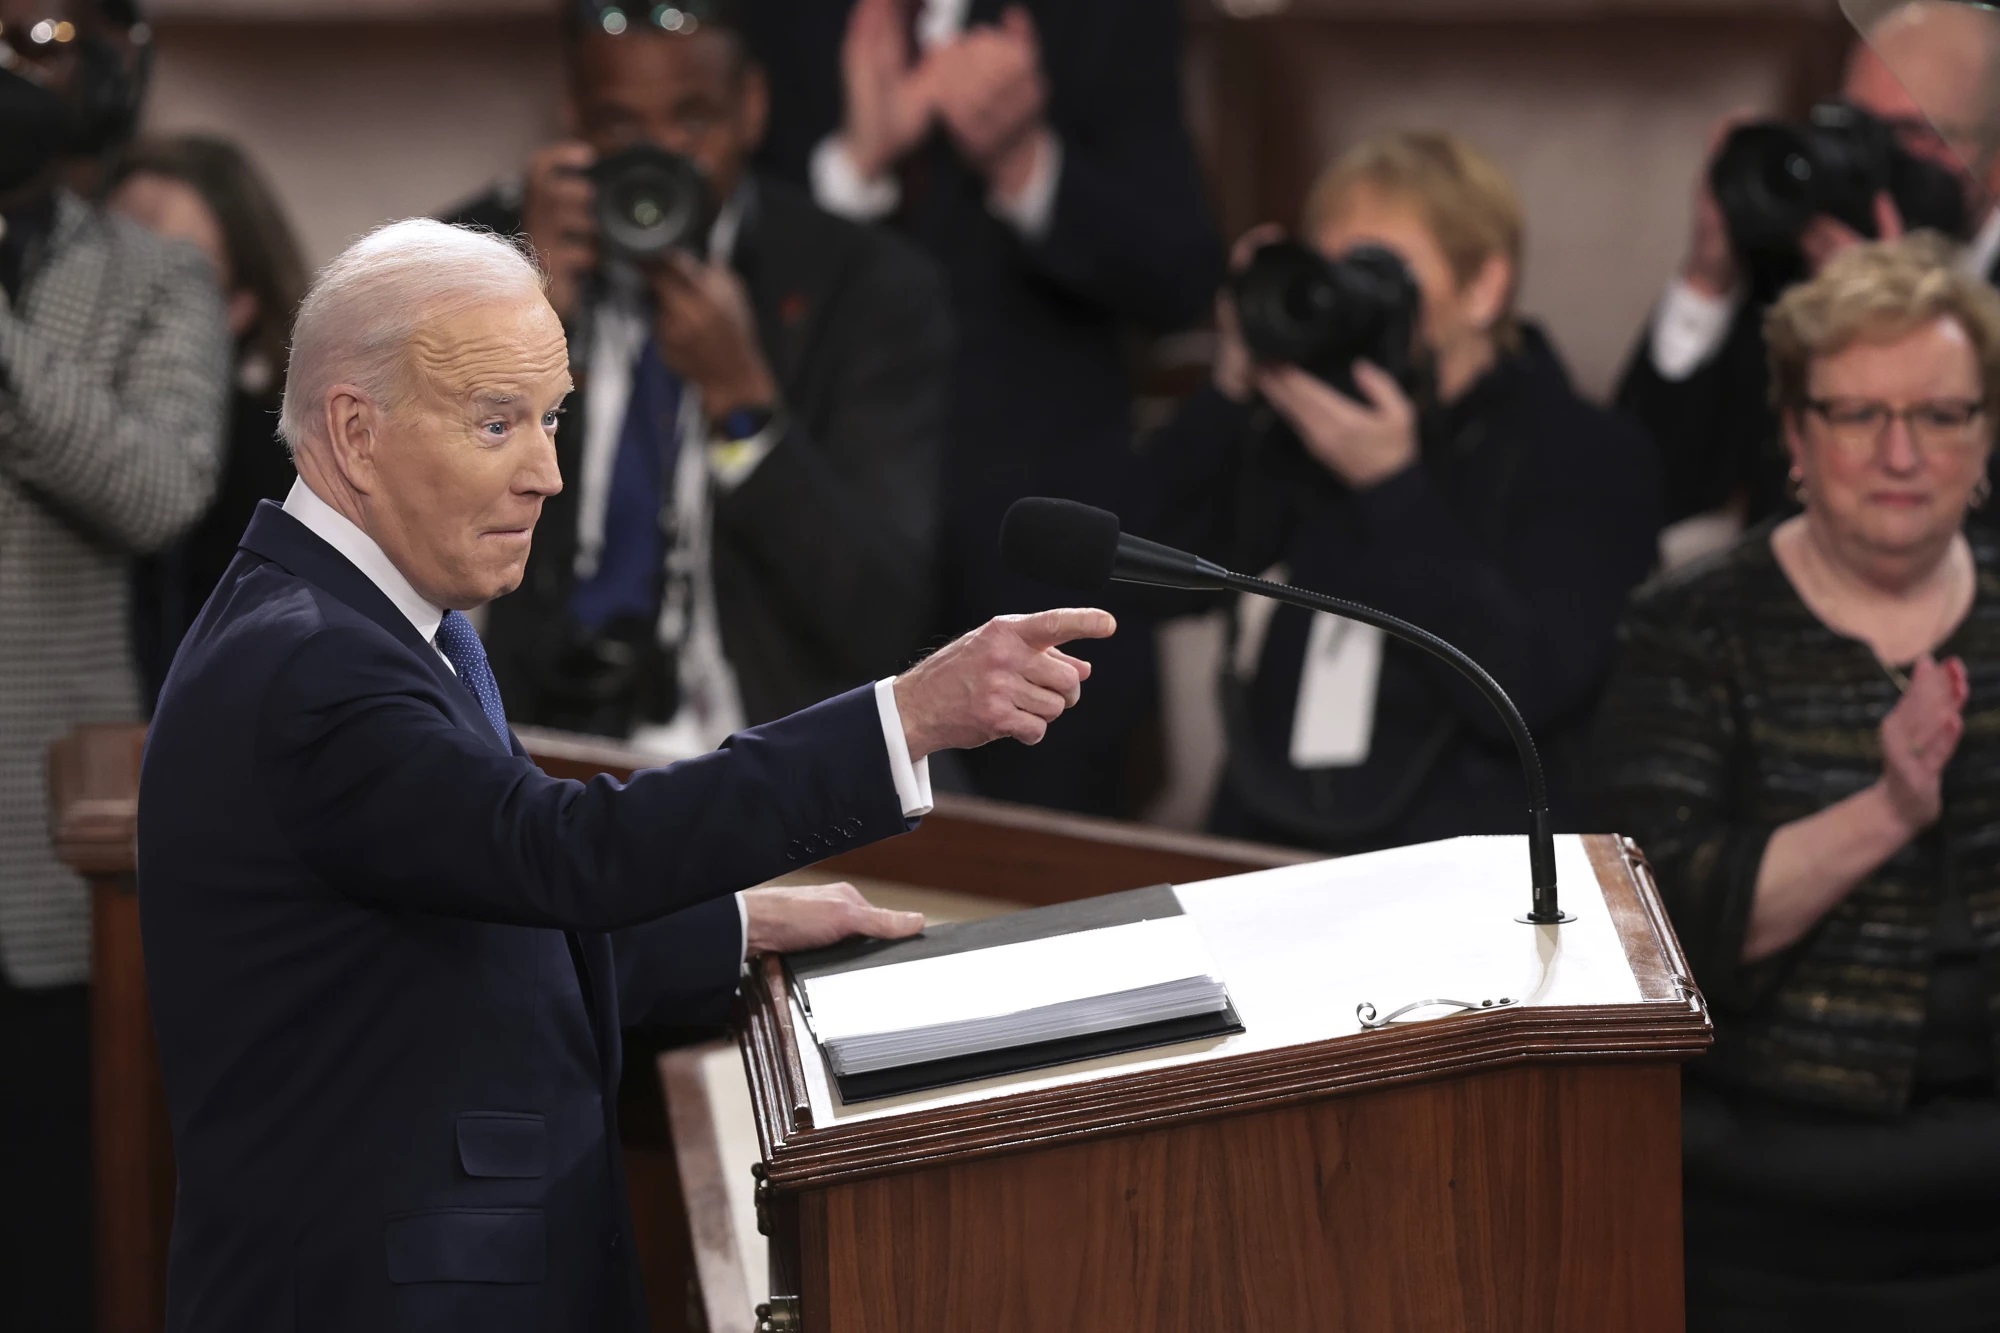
<point x="1514" y="1167"/>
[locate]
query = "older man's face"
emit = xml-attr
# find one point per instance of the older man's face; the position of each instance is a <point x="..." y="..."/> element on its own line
<point x="465" y="464"/>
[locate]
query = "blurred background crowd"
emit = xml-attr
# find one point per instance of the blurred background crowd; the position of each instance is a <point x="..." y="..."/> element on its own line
<point x="1648" y="352"/>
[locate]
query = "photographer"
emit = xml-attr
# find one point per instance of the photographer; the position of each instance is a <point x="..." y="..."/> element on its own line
<point x="1697" y="380"/>
<point x="1462" y="485"/>
<point x="113" y="373"/>
<point x="751" y="453"/>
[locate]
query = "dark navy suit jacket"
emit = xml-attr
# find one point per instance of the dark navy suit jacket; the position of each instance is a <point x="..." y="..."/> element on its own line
<point x="388" y="959"/>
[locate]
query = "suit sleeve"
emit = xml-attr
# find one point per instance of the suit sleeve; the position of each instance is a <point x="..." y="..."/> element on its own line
<point x="1131" y="230"/>
<point x="1711" y="427"/>
<point x="389" y="801"/>
<point x="135" y="460"/>
<point x="1539" y="608"/>
<point x="682" y="969"/>
<point x="839" y="520"/>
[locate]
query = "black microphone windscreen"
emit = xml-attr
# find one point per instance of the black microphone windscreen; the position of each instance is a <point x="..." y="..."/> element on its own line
<point x="1061" y="542"/>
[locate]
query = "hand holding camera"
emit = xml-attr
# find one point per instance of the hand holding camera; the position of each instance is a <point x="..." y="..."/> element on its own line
<point x="1778" y="200"/>
<point x="708" y="333"/>
<point x="558" y="211"/>
<point x="1330" y="344"/>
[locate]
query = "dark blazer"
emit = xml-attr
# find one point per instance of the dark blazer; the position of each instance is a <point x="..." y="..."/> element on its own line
<point x="1042" y="382"/>
<point x="1716" y="430"/>
<point x="824" y="558"/>
<point x="389" y="959"/>
<point x="1529" y="518"/>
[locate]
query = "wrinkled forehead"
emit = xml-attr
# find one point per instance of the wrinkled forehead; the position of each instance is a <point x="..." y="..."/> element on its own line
<point x="492" y="352"/>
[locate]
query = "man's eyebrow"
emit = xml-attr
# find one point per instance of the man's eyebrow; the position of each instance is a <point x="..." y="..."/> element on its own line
<point x="495" y="398"/>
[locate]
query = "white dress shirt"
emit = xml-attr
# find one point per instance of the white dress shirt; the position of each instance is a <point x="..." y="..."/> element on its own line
<point x="912" y="778"/>
<point x="839" y="187"/>
<point x="1689" y="327"/>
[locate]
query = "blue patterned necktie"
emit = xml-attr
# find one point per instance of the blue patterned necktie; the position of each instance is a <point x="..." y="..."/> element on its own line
<point x="460" y="644"/>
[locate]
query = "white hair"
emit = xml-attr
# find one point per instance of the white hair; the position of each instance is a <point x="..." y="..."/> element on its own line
<point x="363" y="308"/>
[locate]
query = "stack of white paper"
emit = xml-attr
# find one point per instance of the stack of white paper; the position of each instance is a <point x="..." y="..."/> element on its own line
<point x="1012" y="995"/>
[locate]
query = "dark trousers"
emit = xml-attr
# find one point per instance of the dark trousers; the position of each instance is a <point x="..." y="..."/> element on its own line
<point x="46" y="1283"/>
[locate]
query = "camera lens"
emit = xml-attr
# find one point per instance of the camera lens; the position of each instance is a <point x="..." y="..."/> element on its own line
<point x="650" y="201"/>
<point x="1297" y="307"/>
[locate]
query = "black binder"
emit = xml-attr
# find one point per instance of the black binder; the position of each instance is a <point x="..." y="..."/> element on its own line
<point x="1114" y="909"/>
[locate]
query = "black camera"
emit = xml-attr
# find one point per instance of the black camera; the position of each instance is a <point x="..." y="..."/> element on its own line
<point x="1297" y="307"/>
<point x="1771" y="178"/>
<point x="650" y="201"/>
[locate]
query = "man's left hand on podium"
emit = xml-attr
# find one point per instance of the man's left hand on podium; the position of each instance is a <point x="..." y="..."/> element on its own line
<point x="789" y="919"/>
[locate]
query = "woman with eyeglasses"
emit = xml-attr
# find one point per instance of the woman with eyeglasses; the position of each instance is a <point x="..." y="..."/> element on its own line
<point x="1803" y="733"/>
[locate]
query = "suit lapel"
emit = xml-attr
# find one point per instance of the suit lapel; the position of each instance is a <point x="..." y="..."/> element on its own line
<point x="283" y="540"/>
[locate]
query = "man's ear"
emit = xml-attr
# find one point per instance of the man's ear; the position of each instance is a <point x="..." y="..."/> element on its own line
<point x="753" y="111"/>
<point x="353" y="433"/>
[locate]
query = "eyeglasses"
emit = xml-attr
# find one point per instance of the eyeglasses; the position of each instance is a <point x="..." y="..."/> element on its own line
<point x="41" y="42"/>
<point x="616" y="17"/>
<point x="1859" y="425"/>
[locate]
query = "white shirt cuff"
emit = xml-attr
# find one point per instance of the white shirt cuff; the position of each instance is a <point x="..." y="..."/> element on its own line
<point x="913" y="780"/>
<point x="743" y="919"/>
<point x="731" y="462"/>
<point x="839" y="188"/>
<point x="1033" y="210"/>
<point x="1689" y="327"/>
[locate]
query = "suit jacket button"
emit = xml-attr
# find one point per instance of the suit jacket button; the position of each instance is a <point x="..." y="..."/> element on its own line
<point x="792" y="850"/>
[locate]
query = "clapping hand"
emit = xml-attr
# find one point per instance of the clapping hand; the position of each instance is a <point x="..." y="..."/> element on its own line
<point x="1009" y="677"/>
<point x="1919" y="736"/>
<point x="889" y="100"/>
<point x="992" y="97"/>
<point x="788" y="919"/>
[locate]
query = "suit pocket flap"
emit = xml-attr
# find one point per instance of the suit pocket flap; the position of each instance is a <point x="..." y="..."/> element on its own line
<point x="502" y="1144"/>
<point x="468" y="1245"/>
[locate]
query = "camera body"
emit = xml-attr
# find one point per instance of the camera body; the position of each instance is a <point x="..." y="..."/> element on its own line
<point x="650" y="201"/>
<point x="1297" y="307"/>
<point x="1772" y="178"/>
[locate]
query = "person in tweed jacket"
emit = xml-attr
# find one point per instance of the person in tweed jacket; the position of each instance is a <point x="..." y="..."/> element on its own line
<point x="114" y="374"/>
<point x="1803" y="733"/>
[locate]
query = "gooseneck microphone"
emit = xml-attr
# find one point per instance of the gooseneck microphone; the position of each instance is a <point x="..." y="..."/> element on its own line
<point x="1076" y="546"/>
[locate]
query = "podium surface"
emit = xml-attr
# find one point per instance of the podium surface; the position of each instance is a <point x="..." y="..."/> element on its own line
<point x="1516" y="1166"/>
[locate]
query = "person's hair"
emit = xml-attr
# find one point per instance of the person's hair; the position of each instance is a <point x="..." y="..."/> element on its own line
<point x="358" y="318"/>
<point x="1464" y="198"/>
<point x="257" y="240"/>
<point x="1877" y="293"/>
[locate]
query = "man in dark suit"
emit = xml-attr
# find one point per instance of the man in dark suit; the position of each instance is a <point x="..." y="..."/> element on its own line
<point x="757" y="430"/>
<point x="1698" y="379"/>
<point x="1039" y="151"/>
<point x="388" y="957"/>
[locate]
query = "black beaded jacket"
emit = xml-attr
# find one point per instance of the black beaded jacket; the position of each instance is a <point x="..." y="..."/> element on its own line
<point x="1733" y="710"/>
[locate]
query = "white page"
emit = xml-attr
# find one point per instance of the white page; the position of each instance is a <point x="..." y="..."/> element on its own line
<point x="1006" y="979"/>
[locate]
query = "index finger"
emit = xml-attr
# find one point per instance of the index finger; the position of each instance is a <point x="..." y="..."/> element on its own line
<point x="1046" y="629"/>
<point x="1250" y="242"/>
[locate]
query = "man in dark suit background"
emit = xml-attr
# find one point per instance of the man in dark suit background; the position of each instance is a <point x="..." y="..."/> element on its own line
<point x="1039" y="151"/>
<point x="388" y="958"/>
<point x="756" y="432"/>
<point x="1698" y="379"/>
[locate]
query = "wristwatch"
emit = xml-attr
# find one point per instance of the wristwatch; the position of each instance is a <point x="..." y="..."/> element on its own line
<point x="743" y="423"/>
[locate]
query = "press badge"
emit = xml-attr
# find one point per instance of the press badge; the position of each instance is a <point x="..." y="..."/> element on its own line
<point x="1335" y="717"/>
